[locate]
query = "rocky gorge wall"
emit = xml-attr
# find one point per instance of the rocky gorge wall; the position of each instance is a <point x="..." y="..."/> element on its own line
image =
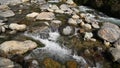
<point x="109" y="7"/>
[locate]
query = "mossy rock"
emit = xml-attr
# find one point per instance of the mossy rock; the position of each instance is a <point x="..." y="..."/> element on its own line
<point x="50" y="63"/>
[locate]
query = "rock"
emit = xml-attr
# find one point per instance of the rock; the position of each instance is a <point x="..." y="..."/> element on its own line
<point x="45" y="16"/>
<point x="95" y="25"/>
<point x="66" y="30"/>
<point x="64" y="7"/>
<point x="7" y="13"/>
<point x="44" y="7"/>
<point x="115" y="53"/>
<point x="88" y="35"/>
<point x="10" y="2"/>
<point x="75" y="16"/>
<point x="79" y="21"/>
<point x="106" y="43"/>
<point x="50" y="63"/>
<point x="34" y="64"/>
<point x="75" y="10"/>
<point x="50" y="10"/>
<point x="109" y="32"/>
<point x="117" y="44"/>
<point x="70" y="2"/>
<point x="18" y="27"/>
<point x="59" y="11"/>
<point x="72" y="21"/>
<point x="25" y="0"/>
<point x="93" y="39"/>
<point x="54" y="7"/>
<point x="7" y="63"/>
<point x="72" y="64"/>
<point x="4" y="7"/>
<point x="40" y="2"/>
<point x="87" y="26"/>
<point x="110" y="25"/>
<point x="54" y="1"/>
<point x="32" y="15"/>
<point x="56" y="21"/>
<point x="16" y="47"/>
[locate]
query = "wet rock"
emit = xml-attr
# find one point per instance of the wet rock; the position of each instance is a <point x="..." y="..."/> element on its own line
<point x="72" y="21"/>
<point x="70" y="2"/>
<point x="109" y="32"/>
<point x="50" y="63"/>
<point x="88" y="35"/>
<point x="18" y="27"/>
<point x="7" y="13"/>
<point x="66" y="30"/>
<point x="16" y="47"/>
<point x="11" y="2"/>
<point x="72" y="64"/>
<point x="45" y="16"/>
<point x="7" y="63"/>
<point x="32" y="15"/>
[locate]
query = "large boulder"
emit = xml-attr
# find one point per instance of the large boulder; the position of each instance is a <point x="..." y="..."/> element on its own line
<point x="109" y="32"/>
<point x="16" y="47"/>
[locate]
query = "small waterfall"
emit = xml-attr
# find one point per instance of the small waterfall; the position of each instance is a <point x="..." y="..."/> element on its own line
<point x="55" y="50"/>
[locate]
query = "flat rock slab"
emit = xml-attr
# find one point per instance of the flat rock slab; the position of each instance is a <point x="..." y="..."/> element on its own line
<point x="109" y="32"/>
<point x="7" y="13"/>
<point x="45" y="16"/>
<point x="16" y="47"/>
